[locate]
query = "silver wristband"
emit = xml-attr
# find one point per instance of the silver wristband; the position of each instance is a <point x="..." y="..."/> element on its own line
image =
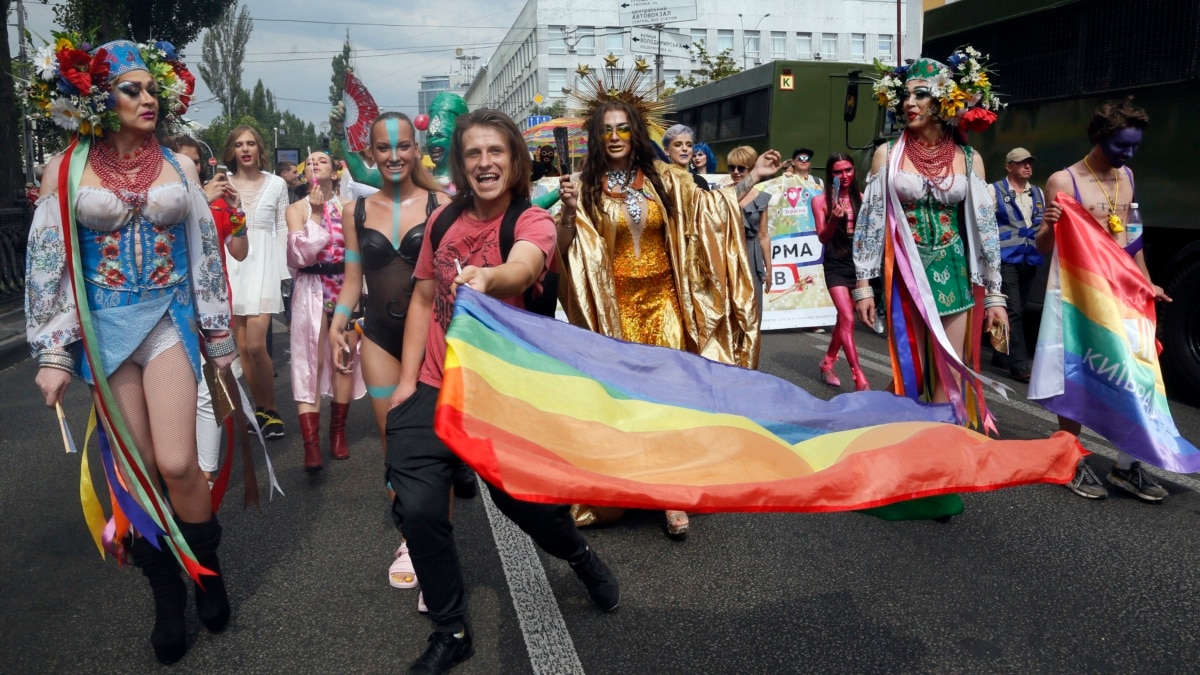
<point x="56" y="358"/>
<point x="222" y="347"/>
<point x="864" y="293"/>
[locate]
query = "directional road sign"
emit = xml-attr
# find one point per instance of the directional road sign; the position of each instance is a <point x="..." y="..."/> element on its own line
<point x="651" y="12"/>
<point x="645" y="41"/>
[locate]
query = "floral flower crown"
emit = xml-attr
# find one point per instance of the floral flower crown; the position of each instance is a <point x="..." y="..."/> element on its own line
<point x="72" y="87"/>
<point x="962" y="89"/>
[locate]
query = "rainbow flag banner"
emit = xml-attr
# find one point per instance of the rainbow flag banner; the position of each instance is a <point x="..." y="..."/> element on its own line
<point x="552" y="413"/>
<point x="1097" y="358"/>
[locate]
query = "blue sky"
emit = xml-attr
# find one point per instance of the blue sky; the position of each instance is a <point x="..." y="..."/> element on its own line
<point x="293" y="42"/>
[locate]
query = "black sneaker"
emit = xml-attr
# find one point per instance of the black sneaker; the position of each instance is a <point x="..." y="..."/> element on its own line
<point x="465" y="485"/>
<point x="445" y="651"/>
<point x="273" y="427"/>
<point x="261" y="418"/>
<point x="1085" y="484"/>
<point x="600" y="581"/>
<point x="1138" y="483"/>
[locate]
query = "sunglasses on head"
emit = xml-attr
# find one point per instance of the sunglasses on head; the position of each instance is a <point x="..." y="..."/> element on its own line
<point x="737" y="168"/>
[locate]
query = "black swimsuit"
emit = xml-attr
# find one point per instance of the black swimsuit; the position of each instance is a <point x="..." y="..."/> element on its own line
<point x="389" y="275"/>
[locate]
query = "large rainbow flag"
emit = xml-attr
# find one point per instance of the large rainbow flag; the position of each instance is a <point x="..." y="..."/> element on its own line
<point x="1097" y="357"/>
<point x="552" y="413"/>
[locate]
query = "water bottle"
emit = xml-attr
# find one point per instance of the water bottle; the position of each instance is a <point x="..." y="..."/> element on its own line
<point x="1133" y="228"/>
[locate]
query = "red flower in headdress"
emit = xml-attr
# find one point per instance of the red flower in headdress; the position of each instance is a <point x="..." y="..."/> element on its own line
<point x="73" y="64"/>
<point x="99" y="68"/>
<point x="977" y="119"/>
<point x="189" y="85"/>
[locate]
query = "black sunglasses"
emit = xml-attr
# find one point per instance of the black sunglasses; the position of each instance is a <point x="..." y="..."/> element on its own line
<point x="735" y="168"/>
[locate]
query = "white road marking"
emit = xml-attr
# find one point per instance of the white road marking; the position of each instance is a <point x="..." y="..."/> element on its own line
<point x="882" y="363"/>
<point x="547" y="639"/>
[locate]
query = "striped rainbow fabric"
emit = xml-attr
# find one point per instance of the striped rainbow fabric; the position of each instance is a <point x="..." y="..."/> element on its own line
<point x="1097" y="357"/>
<point x="552" y="413"/>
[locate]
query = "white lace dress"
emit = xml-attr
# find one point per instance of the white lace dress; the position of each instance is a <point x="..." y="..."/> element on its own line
<point x="255" y="280"/>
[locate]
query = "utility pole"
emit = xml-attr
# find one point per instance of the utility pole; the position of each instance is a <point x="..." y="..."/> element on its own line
<point x="26" y="136"/>
<point x="658" y="62"/>
<point x="899" y="34"/>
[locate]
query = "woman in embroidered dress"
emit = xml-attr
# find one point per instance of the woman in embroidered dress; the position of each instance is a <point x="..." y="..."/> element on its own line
<point x="382" y="249"/>
<point x="316" y="250"/>
<point x="835" y="229"/>
<point x="928" y="226"/>
<point x="138" y="261"/>
<point x="257" y="295"/>
<point x="648" y="256"/>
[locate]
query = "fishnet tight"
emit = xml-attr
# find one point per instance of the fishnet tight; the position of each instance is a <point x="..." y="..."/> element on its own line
<point x="158" y="402"/>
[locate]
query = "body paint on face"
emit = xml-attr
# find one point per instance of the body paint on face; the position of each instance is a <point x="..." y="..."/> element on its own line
<point x="1120" y="146"/>
<point x="392" y="125"/>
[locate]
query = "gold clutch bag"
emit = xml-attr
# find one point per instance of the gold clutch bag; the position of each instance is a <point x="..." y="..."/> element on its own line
<point x="999" y="335"/>
<point x="222" y="402"/>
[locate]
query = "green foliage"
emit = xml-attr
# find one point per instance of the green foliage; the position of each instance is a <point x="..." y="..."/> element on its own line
<point x="176" y="21"/>
<point x="713" y="68"/>
<point x="338" y="80"/>
<point x="221" y="57"/>
<point x="556" y="109"/>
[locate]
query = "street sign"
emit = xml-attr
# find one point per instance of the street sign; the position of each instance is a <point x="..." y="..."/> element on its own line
<point x="652" y="12"/>
<point x="538" y="98"/>
<point x="645" y="41"/>
<point x="534" y="120"/>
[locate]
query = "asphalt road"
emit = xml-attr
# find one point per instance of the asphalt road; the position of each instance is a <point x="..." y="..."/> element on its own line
<point x="1028" y="579"/>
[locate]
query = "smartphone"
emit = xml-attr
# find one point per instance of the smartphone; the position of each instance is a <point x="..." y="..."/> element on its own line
<point x="221" y="168"/>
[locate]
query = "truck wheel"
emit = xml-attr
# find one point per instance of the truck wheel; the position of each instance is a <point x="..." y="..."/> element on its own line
<point x="1179" y="324"/>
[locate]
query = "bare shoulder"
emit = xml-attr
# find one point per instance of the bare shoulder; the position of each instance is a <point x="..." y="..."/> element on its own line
<point x="188" y="166"/>
<point x="879" y="158"/>
<point x="50" y="176"/>
<point x="442" y="197"/>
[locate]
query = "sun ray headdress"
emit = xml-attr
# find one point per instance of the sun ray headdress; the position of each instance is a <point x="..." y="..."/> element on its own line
<point x="635" y="87"/>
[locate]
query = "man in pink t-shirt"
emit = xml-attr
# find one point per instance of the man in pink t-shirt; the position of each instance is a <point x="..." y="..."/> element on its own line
<point x="491" y="171"/>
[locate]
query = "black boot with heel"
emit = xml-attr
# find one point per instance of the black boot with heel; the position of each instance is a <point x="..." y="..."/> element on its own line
<point x="212" y="603"/>
<point x="170" y="598"/>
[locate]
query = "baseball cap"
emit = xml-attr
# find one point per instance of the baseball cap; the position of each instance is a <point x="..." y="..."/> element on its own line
<point x="1018" y="155"/>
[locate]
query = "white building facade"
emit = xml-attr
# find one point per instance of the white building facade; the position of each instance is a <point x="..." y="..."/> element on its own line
<point x="550" y="38"/>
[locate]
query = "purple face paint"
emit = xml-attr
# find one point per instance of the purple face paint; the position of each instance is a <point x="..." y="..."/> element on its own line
<point x="1120" y="146"/>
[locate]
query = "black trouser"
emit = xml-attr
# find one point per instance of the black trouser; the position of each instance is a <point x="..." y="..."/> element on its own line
<point x="1016" y="279"/>
<point x="421" y="470"/>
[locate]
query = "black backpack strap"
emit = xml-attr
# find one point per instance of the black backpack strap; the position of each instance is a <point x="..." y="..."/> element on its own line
<point x="442" y="225"/>
<point x="508" y="226"/>
<point x="432" y="204"/>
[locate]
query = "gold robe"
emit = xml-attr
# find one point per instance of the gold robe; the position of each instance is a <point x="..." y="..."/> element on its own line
<point x="705" y="244"/>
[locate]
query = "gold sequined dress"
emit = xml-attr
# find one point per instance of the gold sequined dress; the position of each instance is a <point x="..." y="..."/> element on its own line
<point x="646" y="296"/>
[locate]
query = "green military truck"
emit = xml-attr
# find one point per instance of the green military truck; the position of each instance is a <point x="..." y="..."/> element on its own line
<point x="784" y="105"/>
<point x="1055" y="61"/>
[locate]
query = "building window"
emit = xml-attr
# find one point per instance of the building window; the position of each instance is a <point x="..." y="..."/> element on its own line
<point x="778" y="44"/>
<point x="585" y="37"/>
<point x="829" y="46"/>
<point x="885" y="45"/>
<point x="614" y="42"/>
<point x="669" y="77"/>
<point x="751" y="46"/>
<point x="699" y="35"/>
<point x="556" y="81"/>
<point x="858" y="46"/>
<point x="556" y="40"/>
<point x="804" y="46"/>
<point x="724" y="40"/>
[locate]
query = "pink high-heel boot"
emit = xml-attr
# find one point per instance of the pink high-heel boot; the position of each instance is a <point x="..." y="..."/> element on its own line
<point x="860" y="380"/>
<point x="827" y="375"/>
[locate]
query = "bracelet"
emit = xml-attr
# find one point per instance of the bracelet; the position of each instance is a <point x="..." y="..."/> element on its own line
<point x="864" y="293"/>
<point x="56" y="358"/>
<point x="238" y="221"/>
<point x="995" y="300"/>
<point x="220" y="347"/>
<point x="353" y="257"/>
<point x="342" y="309"/>
<point x="568" y="221"/>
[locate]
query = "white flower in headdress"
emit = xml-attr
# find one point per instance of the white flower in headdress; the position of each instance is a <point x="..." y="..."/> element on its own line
<point x="64" y="113"/>
<point x="46" y="63"/>
<point x="941" y="84"/>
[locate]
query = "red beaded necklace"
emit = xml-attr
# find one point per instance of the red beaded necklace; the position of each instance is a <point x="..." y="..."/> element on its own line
<point x="129" y="177"/>
<point x="934" y="163"/>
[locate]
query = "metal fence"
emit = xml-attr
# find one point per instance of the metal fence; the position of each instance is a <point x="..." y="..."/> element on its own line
<point x="14" y="230"/>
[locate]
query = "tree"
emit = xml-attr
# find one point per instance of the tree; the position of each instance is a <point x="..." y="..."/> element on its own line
<point x="221" y="57"/>
<point x="556" y="109"/>
<point x="338" y="81"/>
<point x="713" y="68"/>
<point x="176" y="21"/>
